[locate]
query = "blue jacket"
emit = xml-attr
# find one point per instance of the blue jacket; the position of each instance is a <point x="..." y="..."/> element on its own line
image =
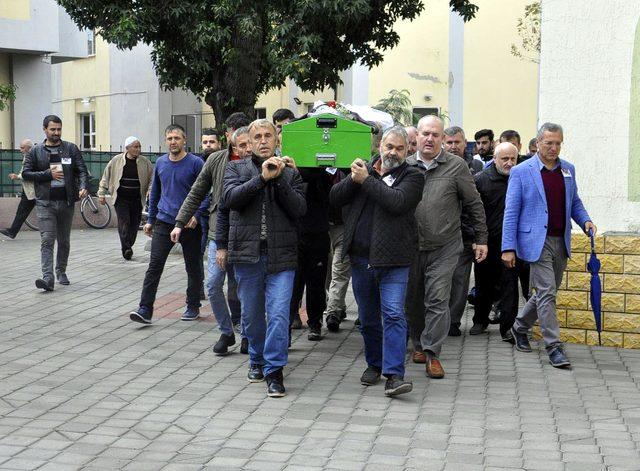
<point x="524" y="228"/>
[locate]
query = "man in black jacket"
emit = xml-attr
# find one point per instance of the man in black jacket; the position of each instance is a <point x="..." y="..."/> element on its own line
<point x="455" y="142"/>
<point x="60" y="176"/>
<point x="380" y="237"/>
<point x="494" y="281"/>
<point x="266" y="198"/>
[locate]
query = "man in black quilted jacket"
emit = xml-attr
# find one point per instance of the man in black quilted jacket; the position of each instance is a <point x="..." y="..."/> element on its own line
<point x="380" y="237"/>
<point x="265" y="197"/>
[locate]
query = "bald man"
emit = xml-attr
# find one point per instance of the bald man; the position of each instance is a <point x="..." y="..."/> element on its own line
<point x="495" y="282"/>
<point x="412" y="134"/>
<point x="448" y="189"/>
<point x="27" y="197"/>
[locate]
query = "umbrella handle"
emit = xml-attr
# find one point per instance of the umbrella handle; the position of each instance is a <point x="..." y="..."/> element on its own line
<point x="593" y="241"/>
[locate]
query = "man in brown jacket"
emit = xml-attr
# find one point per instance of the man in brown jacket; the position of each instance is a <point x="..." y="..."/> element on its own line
<point x="127" y="179"/>
<point x="448" y="188"/>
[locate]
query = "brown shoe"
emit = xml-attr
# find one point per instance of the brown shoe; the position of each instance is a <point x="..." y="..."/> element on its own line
<point x="434" y="369"/>
<point x="419" y="357"/>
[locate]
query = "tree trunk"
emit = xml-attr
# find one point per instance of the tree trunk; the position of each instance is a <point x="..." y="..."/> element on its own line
<point x="235" y="87"/>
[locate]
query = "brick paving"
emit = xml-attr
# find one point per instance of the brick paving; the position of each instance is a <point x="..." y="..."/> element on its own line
<point x="81" y="387"/>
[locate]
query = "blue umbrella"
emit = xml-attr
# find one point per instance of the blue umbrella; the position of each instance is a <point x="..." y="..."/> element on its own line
<point x="596" y="287"/>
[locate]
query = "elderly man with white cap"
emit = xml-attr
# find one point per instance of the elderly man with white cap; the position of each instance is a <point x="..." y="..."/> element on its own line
<point x="127" y="178"/>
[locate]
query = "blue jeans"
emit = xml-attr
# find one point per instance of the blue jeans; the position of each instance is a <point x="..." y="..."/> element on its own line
<point x="380" y="294"/>
<point x="215" y="285"/>
<point x="265" y="296"/>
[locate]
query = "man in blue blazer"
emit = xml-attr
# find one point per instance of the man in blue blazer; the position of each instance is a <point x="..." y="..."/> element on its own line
<point x="542" y="199"/>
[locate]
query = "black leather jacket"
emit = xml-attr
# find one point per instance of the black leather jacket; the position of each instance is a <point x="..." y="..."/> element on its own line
<point x="36" y="169"/>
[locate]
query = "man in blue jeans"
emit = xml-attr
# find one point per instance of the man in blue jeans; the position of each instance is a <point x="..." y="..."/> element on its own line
<point x="265" y="197"/>
<point x="209" y="182"/>
<point x="380" y="238"/>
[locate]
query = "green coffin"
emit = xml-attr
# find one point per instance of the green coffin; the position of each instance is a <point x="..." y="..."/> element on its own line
<point x="326" y="141"/>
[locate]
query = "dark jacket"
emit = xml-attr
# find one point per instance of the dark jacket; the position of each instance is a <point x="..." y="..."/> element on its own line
<point x="244" y="193"/>
<point x="318" y="185"/>
<point x="37" y="170"/>
<point x="493" y="190"/>
<point x="448" y="188"/>
<point x="393" y="233"/>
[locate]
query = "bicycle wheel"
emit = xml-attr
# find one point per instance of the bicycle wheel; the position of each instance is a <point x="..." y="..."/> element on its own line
<point x="96" y="215"/>
<point x="32" y="220"/>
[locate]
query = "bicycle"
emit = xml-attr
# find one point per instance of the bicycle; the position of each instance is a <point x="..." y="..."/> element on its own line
<point x="94" y="214"/>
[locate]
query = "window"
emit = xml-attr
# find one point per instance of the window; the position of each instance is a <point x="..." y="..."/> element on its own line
<point x="88" y="131"/>
<point x="261" y="113"/>
<point x="91" y="43"/>
<point x="419" y="112"/>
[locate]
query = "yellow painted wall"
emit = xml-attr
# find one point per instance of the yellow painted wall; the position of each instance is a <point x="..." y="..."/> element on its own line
<point x="423" y="52"/>
<point x="500" y="90"/>
<point x="5" y="116"/>
<point x="87" y="78"/>
<point x="15" y="9"/>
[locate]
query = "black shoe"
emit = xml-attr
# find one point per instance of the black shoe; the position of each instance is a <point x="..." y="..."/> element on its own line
<point x="315" y="334"/>
<point x="127" y="254"/>
<point x="296" y="323"/>
<point x="275" y="384"/>
<point x="62" y="279"/>
<point x="357" y="322"/>
<point x="396" y="385"/>
<point x="478" y="329"/>
<point x="521" y="341"/>
<point x="471" y="297"/>
<point x="333" y="322"/>
<point x="244" y="346"/>
<point x="46" y="285"/>
<point x="141" y="315"/>
<point x="224" y="342"/>
<point x="370" y="376"/>
<point x="255" y="374"/>
<point x="343" y="314"/>
<point x="7" y="233"/>
<point x="454" y="331"/>
<point x="508" y="337"/>
<point x="557" y="358"/>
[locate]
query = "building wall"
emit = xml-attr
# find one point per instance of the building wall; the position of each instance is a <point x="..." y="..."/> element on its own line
<point x="500" y="90"/>
<point x="33" y="97"/>
<point x="5" y="116"/>
<point x="15" y="10"/>
<point x="585" y="85"/>
<point x="87" y="79"/>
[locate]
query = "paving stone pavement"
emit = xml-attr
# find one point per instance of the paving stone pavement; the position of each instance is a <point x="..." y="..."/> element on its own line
<point x="81" y="387"/>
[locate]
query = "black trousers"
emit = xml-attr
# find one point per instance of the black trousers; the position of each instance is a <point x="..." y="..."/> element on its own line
<point x="495" y="282"/>
<point x="313" y="258"/>
<point x="129" y="213"/>
<point x="22" y="213"/>
<point x="523" y="274"/>
<point x="161" y="246"/>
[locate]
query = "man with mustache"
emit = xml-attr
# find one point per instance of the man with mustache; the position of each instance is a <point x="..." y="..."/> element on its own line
<point x="265" y="197"/>
<point x="379" y="238"/>
<point x="448" y="190"/>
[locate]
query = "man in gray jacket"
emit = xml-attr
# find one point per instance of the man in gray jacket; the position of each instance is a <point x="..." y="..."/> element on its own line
<point x="448" y="189"/>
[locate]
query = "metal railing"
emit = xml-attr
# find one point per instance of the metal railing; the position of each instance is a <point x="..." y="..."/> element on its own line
<point x="11" y="162"/>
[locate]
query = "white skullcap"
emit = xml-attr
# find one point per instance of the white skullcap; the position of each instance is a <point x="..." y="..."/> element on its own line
<point x="130" y="140"/>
